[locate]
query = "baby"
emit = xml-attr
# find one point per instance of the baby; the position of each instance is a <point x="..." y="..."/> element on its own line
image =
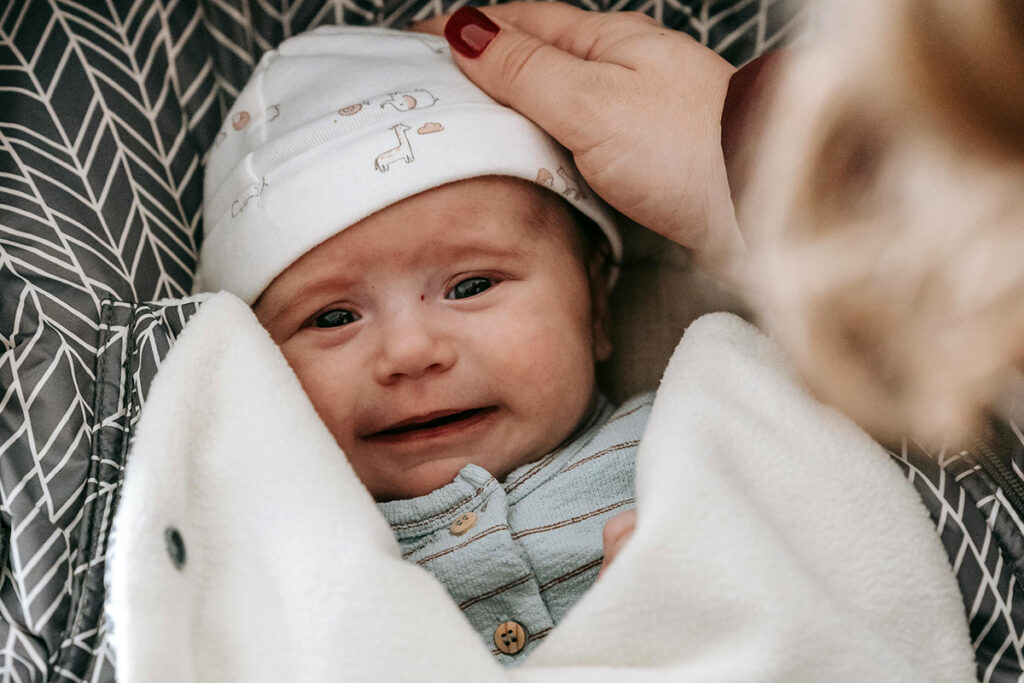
<point x="436" y="274"/>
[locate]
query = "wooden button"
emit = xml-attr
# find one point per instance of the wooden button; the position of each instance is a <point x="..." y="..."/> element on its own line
<point x="463" y="524"/>
<point x="510" y="637"/>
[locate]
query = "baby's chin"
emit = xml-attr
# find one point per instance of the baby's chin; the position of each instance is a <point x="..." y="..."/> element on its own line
<point x="430" y="476"/>
<point x="418" y="481"/>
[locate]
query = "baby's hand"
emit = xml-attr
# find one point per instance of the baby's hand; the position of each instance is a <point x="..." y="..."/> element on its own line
<point x="617" y="531"/>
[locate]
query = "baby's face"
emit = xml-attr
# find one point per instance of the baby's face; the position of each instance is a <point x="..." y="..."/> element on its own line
<point x="457" y="326"/>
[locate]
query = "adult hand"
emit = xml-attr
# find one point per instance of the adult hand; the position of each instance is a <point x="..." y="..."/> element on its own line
<point x="637" y="104"/>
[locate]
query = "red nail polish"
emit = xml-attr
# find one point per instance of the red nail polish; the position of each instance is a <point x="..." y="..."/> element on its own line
<point x="469" y="31"/>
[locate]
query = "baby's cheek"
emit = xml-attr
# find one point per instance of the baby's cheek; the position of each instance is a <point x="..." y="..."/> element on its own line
<point x="330" y="396"/>
<point x="552" y="358"/>
<point x="304" y="368"/>
<point x="529" y="350"/>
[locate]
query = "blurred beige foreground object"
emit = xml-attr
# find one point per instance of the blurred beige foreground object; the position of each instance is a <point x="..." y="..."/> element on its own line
<point x="885" y="214"/>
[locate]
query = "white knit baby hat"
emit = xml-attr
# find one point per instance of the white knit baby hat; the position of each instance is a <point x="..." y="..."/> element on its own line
<point x="340" y="122"/>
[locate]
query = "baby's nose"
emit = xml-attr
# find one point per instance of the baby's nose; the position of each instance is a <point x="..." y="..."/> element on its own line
<point x="411" y="348"/>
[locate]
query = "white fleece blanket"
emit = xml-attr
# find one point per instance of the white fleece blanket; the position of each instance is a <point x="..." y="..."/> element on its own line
<point x="775" y="541"/>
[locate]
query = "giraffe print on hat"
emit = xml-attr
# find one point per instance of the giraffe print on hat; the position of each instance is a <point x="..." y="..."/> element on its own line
<point x="403" y="151"/>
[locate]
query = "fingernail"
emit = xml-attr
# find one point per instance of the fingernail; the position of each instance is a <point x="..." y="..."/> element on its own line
<point x="469" y="31"/>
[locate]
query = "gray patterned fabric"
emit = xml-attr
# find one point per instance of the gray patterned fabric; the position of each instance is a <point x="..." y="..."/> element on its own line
<point x="984" y="537"/>
<point x="106" y="111"/>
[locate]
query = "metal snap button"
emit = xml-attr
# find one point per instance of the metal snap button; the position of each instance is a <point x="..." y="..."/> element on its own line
<point x="175" y="546"/>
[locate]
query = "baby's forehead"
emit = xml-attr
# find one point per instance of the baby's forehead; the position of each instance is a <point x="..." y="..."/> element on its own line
<point x="475" y="214"/>
<point x="369" y="247"/>
<point x="482" y="222"/>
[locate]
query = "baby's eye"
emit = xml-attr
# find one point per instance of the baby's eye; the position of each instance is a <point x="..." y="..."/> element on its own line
<point x="335" y="318"/>
<point x="469" y="287"/>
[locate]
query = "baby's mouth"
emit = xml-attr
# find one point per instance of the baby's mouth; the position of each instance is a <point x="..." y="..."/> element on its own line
<point x="433" y="423"/>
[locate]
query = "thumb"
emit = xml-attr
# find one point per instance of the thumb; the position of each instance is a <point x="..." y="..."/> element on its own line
<point x="553" y="88"/>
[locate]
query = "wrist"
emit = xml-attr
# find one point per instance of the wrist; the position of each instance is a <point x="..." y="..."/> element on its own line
<point x="748" y="91"/>
<point x="748" y="88"/>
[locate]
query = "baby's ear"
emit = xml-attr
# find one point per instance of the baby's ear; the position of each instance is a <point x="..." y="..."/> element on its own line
<point x="597" y="275"/>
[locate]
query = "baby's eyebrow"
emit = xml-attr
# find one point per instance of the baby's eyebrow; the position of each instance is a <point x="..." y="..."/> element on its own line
<point x="305" y="290"/>
<point x="467" y="249"/>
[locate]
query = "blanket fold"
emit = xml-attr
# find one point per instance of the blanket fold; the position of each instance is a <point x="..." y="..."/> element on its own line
<point x="775" y="540"/>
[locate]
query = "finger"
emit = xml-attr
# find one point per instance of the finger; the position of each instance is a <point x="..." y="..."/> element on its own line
<point x="555" y="89"/>
<point x="588" y="35"/>
<point x="616" y="533"/>
<point x="593" y="36"/>
<point x="617" y="527"/>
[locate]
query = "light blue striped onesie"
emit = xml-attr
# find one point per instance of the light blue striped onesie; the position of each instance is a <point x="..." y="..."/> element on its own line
<point x="516" y="556"/>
